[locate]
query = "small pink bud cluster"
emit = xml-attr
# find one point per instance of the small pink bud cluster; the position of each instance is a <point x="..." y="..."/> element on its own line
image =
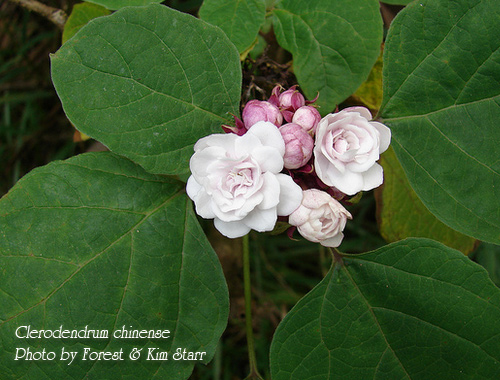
<point x="330" y="158"/>
<point x="292" y="114"/>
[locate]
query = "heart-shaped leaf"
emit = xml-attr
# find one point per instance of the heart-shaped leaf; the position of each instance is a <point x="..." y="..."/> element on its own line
<point x="240" y="20"/>
<point x="130" y="81"/>
<point x="334" y="44"/>
<point x="414" y="310"/>
<point x="441" y="100"/>
<point x="96" y="241"/>
<point x="401" y="214"/>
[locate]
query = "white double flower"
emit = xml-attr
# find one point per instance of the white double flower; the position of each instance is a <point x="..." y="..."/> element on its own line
<point x="236" y="180"/>
<point x="347" y="147"/>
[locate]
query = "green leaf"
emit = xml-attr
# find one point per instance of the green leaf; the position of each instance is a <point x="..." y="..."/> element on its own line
<point x="148" y="83"/>
<point x="240" y="20"/>
<point x="401" y="214"/>
<point x="441" y="100"/>
<point x="96" y="241"/>
<point x="117" y="4"/>
<point x="411" y="310"/>
<point x="334" y="44"/>
<point x="397" y="2"/>
<point x="488" y="255"/>
<point x="80" y="16"/>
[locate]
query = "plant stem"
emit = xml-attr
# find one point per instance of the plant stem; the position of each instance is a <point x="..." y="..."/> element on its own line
<point x="57" y="16"/>
<point x="337" y="255"/>
<point x="254" y="373"/>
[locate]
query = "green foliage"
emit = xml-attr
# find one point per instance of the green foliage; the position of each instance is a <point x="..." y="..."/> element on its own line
<point x="370" y="92"/>
<point x="100" y="242"/>
<point x="80" y="16"/>
<point x="117" y="4"/>
<point x="397" y="2"/>
<point x="148" y="83"/>
<point x="240" y="20"/>
<point x="488" y="255"/>
<point x="406" y="311"/>
<point x="335" y="67"/>
<point x="105" y="242"/>
<point x="441" y="100"/>
<point x="402" y="214"/>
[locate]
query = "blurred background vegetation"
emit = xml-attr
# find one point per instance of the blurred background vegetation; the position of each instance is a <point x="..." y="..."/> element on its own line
<point x="35" y="131"/>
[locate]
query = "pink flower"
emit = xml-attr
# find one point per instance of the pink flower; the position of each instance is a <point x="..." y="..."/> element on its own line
<point x="346" y="149"/>
<point x="307" y="117"/>
<point x="320" y="218"/>
<point x="298" y="145"/>
<point x="259" y="110"/>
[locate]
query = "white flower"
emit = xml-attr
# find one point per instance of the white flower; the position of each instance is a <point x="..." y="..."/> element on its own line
<point x="320" y="218"/>
<point x="346" y="150"/>
<point x="236" y="180"/>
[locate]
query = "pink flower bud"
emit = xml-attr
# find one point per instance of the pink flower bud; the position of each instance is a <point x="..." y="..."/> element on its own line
<point x="275" y="95"/>
<point x="259" y="110"/>
<point x="298" y="146"/>
<point x="320" y="218"/>
<point x="291" y="99"/>
<point x="307" y="117"/>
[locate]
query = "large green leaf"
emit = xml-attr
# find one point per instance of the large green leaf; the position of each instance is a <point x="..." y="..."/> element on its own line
<point x="401" y="214"/>
<point x="334" y="44"/>
<point x="441" y="100"/>
<point x="117" y="4"/>
<point x="240" y="20"/>
<point x="96" y="241"/>
<point x="148" y="83"/>
<point x="412" y="310"/>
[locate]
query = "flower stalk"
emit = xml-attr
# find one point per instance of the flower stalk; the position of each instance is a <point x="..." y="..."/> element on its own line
<point x="254" y="372"/>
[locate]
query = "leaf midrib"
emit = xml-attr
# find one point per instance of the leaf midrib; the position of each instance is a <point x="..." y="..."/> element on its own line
<point x="370" y="310"/>
<point x="175" y="99"/>
<point x="386" y="105"/>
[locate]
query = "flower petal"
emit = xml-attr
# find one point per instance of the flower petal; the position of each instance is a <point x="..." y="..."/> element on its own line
<point x="219" y="140"/>
<point x="261" y="220"/>
<point x="361" y="110"/>
<point x="268" y="134"/>
<point x="271" y="191"/>
<point x="203" y="202"/>
<point x="373" y="177"/>
<point x="348" y="182"/>
<point x="334" y="241"/>
<point x="290" y="195"/>
<point x="269" y="159"/>
<point x="231" y="229"/>
<point x="385" y="135"/>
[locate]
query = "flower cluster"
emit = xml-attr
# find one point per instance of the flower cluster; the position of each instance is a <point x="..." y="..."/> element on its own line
<point x="283" y="160"/>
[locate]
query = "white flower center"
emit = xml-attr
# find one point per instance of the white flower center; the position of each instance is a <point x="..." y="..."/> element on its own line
<point x="340" y="145"/>
<point x="238" y="180"/>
